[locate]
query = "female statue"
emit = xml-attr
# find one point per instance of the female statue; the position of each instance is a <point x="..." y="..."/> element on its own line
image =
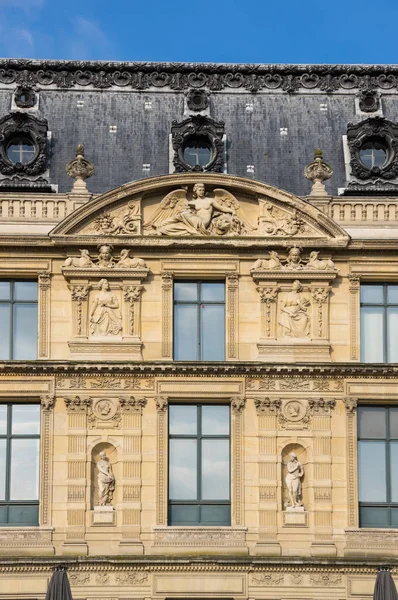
<point x="294" y="317"/>
<point x="106" y="480"/>
<point x="105" y="317"/>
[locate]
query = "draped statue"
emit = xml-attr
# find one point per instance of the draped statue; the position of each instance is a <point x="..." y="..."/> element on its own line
<point x="106" y="480"/>
<point x="295" y="472"/>
<point x="294" y="317"/>
<point x="105" y="316"/>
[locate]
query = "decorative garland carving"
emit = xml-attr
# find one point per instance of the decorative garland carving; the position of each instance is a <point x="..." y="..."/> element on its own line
<point x="359" y="133"/>
<point x="26" y="125"/>
<point x="179" y="76"/>
<point x="198" y="127"/>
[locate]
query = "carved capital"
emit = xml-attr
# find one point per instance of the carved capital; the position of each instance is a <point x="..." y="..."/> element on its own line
<point x="44" y="278"/>
<point x="350" y="404"/>
<point x="321" y="406"/>
<point x="162" y="403"/>
<point x="76" y="404"/>
<point x="134" y="404"/>
<point x="132" y="293"/>
<point x="320" y="294"/>
<point x="232" y="279"/>
<point x="79" y="292"/>
<point x="47" y="402"/>
<point x="268" y="294"/>
<point x="267" y="406"/>
<point x="237" y="404"/>
<point x="355" y="281"/>
<point x="167" y="280"/>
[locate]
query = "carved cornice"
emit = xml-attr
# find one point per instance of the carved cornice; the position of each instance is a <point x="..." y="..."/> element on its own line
<point x="221" y="369"/>
<point x="182" y="76"/>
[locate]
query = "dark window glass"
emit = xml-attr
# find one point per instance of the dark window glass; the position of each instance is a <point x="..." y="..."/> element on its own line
<point x="377" y="466"/>
<point x="199" y="320"/>
<point x="21" y="150"/>
<point x="197" y="151"/>
<point x="373" y="153"/>
<point x="379" y="323"/>
<point x="18" y="315"/>
<point x="199" y="465"/>
<point x="19" y="464"/>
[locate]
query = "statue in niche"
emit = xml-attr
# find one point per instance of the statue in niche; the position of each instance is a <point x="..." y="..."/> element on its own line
<point x="319" y="265"/>
<point x="295" y="473"/>
<point x="294" y="318"/>
<point x="126" y="262"/>
<point x="203" y="215"/>
<point x="83" y="260"/>
<point x="105" y="316"/>
<point x="106" y="480"/>
<point x="105" y="257"/>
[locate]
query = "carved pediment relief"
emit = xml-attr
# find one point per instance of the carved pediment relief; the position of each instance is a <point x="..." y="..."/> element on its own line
<point x="201" y="207"/>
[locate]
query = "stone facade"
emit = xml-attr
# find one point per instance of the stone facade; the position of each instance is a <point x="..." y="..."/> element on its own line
<point x="105" y="378"/>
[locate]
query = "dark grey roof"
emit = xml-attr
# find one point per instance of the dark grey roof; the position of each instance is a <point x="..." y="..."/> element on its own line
<point x="314" y="102"/>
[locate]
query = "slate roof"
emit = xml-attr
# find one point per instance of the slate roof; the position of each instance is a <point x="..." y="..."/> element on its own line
<point x="313" y="102"/>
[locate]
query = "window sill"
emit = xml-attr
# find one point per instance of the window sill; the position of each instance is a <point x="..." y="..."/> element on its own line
<point x="371" y="541"/>
<point x="28" y="538"/>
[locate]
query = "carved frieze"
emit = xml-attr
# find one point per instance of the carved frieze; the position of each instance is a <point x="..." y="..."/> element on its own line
<point x="325" y="579"/>
<point x="295" y="384"/>
<point x="200" y="536"/>
<point x="294" y="262"/>
<point x="267" y="579"/>
<point x="106" y="260"/>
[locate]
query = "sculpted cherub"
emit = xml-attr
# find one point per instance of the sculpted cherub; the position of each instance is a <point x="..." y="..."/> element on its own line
<point x="179" y="216"/>
<point x="272" y="263"/>
<point x="126" y="262"/>
<point x="83" y="260"/>
<point x="319" y="265"/>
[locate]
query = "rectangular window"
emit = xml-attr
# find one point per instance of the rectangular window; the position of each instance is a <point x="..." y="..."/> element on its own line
<point x="378" y="466"/>
<point x="19" y="464"/>
<point x="18" y="316"/>
<point x="199" y="464"/>
<point x="199" y="320"/>
<point x="379" y="323"/>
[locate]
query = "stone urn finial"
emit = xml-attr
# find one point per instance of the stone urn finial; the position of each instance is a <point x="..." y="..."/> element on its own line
<point x="317" y="172"/>
<point x="80" y="169"/>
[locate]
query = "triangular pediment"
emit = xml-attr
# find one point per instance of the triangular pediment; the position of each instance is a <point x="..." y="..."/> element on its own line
<point x="201" y="208"/>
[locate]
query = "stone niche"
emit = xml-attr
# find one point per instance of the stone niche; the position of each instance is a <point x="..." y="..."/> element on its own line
<point x="295" y="516"/>
<point x="294" y="299"/>
<point x="103" y="513"/>
<point x="106" y="304"/>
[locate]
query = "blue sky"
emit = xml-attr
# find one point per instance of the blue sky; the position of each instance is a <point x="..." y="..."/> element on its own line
<point x="289" y="31"/>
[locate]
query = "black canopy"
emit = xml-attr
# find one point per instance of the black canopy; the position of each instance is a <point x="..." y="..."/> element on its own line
<point x="385" y="587"/>
<point x="58" y="587"/>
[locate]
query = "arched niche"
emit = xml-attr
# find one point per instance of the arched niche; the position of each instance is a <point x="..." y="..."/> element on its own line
<point x="301" y="454"/>
<point x="111" y="453"/>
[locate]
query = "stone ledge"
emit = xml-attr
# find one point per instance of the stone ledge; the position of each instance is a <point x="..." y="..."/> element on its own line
<point x="200" y="536"/>
<point x="27" y="540"/>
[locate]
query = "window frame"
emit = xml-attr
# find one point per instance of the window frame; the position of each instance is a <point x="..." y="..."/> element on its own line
<point x="9" y="436"/>
<point x="199" y="502"/>
<point x="12" y="302"/>
<point x="197" y="303"/>
<point x="385" y="305"/>
<point x="389" y="504"/>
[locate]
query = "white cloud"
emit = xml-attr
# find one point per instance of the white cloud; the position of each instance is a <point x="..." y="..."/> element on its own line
<point x="89" y="41"/>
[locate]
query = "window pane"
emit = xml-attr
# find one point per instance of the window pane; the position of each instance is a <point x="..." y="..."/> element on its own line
<point x="392" y="334"/>
<point x="394" y="422"/>
<point x="372" y="294"/>
<point x="187" y="292"/>
<point x="23" y="515"/>
<point x="394" y="471"/>
<point x="392" y="294"/>
<point x="24" y="484"/>
<point x="394" y="517"/>
<point x="215" y="469"/>
<point x="373" y="516"/>
<point x="372" y="471"/>
<point x="5" y="340"/>
<point x="215" y="420"/>
<point x="372" y="329"/>
<point x="214" y="514"/>
<point x="182" y="469"/>
<point x="371" y="422"/>
<point x="25" y="419"/>
<point x="212" y="292"/>
<point x="5" y="290"/>
<point x="3" y="419"/>
<point x="186" y="332"/>
<point x="213" y="332"/>
<point x="25" y="290"/>
<point x="25" y="331"/>
<point x="183" y="514"/>
<point x="183" y="420"/>
<point x="3" y="458"/>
